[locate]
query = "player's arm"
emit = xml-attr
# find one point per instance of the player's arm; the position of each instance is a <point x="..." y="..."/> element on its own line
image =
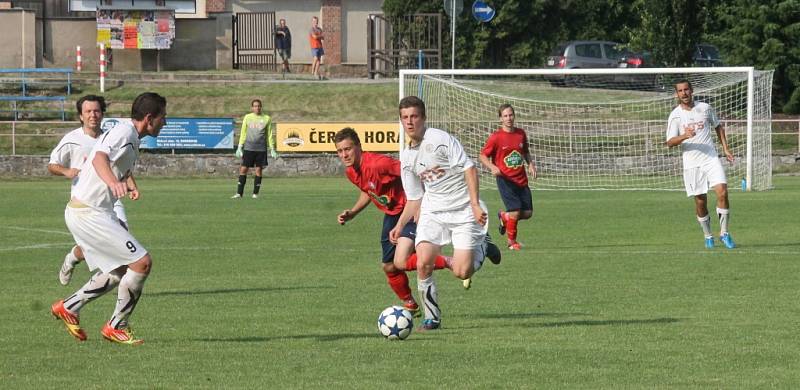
<point x="102" y="165"/>
<point x="60" y="170"/>
<point x="271" y="144"/>
<point x="483" y="156"/>
<point x="723" y="139"/>
<point x="133" y="189"/>
<point x="674" y="136"/>
<point x="471" y="177"/>
<point x="361" y="203"/>
<point x="410" y="212"/>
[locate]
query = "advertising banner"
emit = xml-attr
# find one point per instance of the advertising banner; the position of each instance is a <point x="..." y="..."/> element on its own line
<point x="186" y="133"/>
<point x="318" y="137"/>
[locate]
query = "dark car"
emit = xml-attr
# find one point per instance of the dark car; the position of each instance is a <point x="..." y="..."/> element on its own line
<point x="706" y="55"/>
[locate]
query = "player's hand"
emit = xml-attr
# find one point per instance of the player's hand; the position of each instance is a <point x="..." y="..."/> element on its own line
<point x="133" y="193"/>
<point x="729" y="155"/>
<point x="119" y="189"/>
<point x="495" y="170"/>
<point x="479" y="214"/>
<point x="688" y="131"/>
<point x="344" y="217"/>
<point x="532" y="171"/>
<point x="239" y="151"/>
<point x="72" y="173"/>
<point x="394" y="235"/>
<point x="273" y="154"/>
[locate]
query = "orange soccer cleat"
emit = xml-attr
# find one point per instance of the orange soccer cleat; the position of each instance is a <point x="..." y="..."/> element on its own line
<point x="70" y="320"/>
<point x="120" y="336"/>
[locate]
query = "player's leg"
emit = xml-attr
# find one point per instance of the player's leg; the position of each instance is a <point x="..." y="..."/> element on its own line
<point x="397" y="278"/>
<point x="243" y="169"/>
<point x="72" y="258"/>
<point x="509" y="193"/>
<point x="696" y="186"/>
<point x="432" y="233"/>
<point x="717" y="181"/>
<point x="257" y="178"/>
<point x="130" y="290"/>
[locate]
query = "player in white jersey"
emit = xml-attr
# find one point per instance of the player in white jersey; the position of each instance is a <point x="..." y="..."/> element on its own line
<point x="108" y="247"/>
<point x="441" y="184"/>
<point x="68" y="158"/>
<point x="689" y="126"/>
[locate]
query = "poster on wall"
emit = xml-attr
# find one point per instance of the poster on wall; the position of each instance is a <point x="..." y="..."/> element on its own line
<point x="135" y="29"/>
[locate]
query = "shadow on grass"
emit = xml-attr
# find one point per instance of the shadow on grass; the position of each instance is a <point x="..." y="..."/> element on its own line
<point x="233" y="291"/>
<point x="519" y="316"/>
<point x="604" y="322"/>
<point x="315" y="337"/>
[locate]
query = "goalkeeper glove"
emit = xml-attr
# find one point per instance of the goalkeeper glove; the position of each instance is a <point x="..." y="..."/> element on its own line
<point x="273" y="153"/>
<point x="239" y="151"/>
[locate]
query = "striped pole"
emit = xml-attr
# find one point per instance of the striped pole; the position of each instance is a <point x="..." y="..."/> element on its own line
<point x="78" y="59"/>
<point x="102" y="67"/>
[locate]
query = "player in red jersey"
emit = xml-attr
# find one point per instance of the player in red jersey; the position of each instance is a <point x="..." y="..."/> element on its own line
<point x="505" y="155"/>
<point x="378" y="178"/>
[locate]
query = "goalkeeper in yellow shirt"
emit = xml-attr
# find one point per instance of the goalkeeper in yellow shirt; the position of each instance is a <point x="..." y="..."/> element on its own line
<point x="254" y="140"/>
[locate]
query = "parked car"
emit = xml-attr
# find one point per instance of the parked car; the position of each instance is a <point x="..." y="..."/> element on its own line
<point x="706" y="55"/>
<point x="582" y="55"/>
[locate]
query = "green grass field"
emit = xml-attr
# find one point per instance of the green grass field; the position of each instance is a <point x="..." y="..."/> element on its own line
<point x="613" y="290"/>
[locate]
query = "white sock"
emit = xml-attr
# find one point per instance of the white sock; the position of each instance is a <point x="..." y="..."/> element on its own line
<point x="128" y="294"/>
<point x="723" y="220"/>
<point x="705" y="223"/>
<point x="96" y="287"/>
<point x="430" y="298"/>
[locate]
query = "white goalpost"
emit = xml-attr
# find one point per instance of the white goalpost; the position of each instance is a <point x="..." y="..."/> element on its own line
<point x="601" y="129"/>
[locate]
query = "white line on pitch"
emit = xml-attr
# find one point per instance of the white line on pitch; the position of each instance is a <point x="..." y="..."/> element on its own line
<point x="37" y="246"/>
<point x="36" y="230"/>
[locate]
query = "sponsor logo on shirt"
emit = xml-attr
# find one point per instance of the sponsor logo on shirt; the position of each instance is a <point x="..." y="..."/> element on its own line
<point x="513" y="160"/>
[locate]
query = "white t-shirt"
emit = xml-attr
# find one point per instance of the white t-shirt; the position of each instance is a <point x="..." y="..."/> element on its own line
<point x="72" y="150"/>
<point x="121" y="144"/>
<point x="698" y="150"/>
<point x="434" y="172"/>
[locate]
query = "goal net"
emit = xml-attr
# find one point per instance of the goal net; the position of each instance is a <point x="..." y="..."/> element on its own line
<point x="602" y="129"/>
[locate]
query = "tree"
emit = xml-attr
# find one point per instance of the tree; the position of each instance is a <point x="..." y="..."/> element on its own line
<point x="669" y="29"/>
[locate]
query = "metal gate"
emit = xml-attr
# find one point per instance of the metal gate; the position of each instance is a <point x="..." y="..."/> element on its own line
<point x="395" y="46"/>
<point x="254" y="41"/>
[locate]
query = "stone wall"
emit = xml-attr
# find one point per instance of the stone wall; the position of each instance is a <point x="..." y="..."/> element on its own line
<point x="191" y="165"/>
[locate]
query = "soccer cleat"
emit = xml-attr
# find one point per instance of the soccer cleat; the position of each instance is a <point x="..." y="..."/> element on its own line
<point x="430" y="324"/>
<point x="70" y="320"/>
<point x="467" y="283"/>
<point x="492" y="251"/>
<point x="727" y="240"/>
<point x="65" y="274"/>
<point x="236" y="196"/>
<point x="412" y="306"/>
<point x="502" y="226"/>
<point x="255" y="196"/>
<point x="514" y="246"/>
<point x="120" y="336"/>
<point x="709" y="242"/>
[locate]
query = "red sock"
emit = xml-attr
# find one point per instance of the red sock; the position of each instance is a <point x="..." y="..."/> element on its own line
<point x="398" y="281"/>
<point x="439" y="263"/>
<point x="511" y="229"/>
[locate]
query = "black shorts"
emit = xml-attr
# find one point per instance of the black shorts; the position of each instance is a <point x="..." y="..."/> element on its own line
<point x="254" y="159"/>
<point x="514" y="197"/>
<point x="389" y="221"/>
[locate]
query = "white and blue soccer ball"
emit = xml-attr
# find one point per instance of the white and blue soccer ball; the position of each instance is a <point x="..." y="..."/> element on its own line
<point x="395" y="323"/>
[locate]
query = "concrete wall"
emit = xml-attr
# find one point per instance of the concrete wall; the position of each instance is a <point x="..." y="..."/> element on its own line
<point x="18" y="32"/>
<point x="57" y="41"/>
<point x="191" y="165"/>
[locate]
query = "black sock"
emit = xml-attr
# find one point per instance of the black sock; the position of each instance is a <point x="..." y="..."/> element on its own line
<point x="257" y="185"/>
<point x="240" y="187"/>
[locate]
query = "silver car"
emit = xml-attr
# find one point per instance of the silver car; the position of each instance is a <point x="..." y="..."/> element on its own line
<point x="582" y="54"/>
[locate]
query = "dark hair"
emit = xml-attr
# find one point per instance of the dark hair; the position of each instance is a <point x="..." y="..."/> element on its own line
<point x="684" y="81"/>
<point x="256" y="100"/>
<point x="413" y="101"/>
<point x="148" y="103"/>
<point x="503" y="107"/>
<point x="90" y="98"/>
<point x="347" y="133"/>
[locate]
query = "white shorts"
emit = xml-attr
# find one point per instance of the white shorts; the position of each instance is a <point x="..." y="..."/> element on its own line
<point x="105" y="243"/>
<point x="457" y="226"/>
<point x="698" y="180"/>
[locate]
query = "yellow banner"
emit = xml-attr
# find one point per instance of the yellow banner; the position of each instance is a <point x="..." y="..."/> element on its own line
<point x="318" y="137"/>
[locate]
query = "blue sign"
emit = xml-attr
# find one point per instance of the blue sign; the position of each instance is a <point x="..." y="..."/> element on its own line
<point x="482" y="11"/>
<point x="186" y="133"/>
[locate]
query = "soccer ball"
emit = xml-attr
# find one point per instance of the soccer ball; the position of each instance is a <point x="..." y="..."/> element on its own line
<point x="395" y="323"/>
